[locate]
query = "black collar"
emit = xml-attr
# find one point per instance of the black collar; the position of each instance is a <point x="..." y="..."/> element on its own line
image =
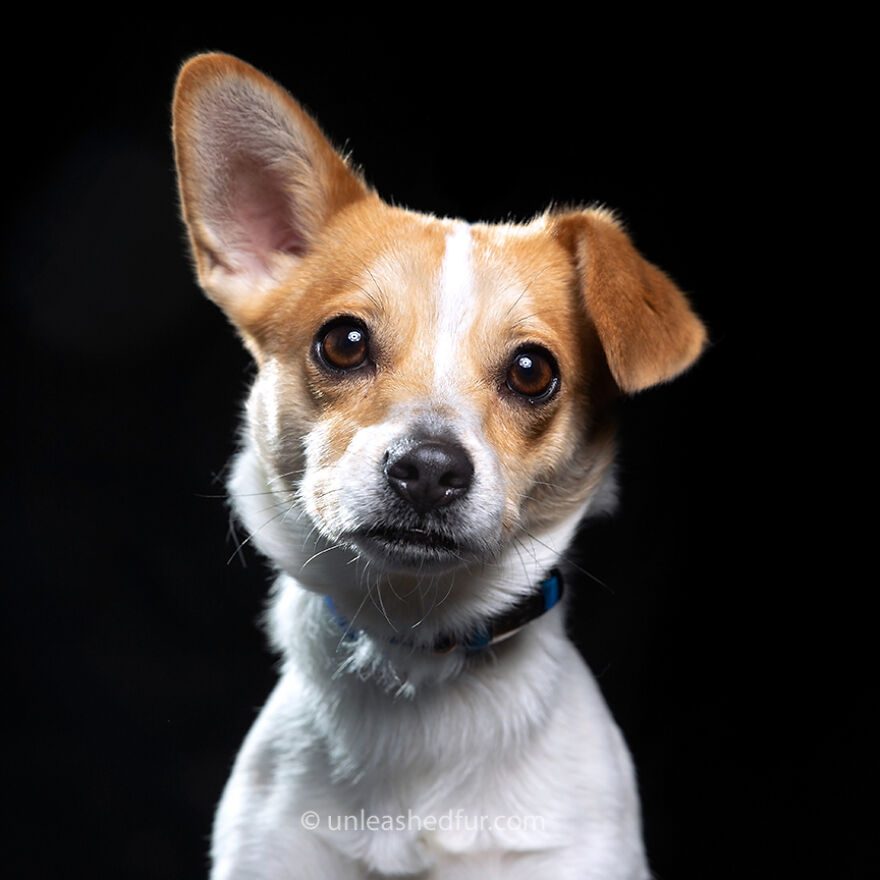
<point x="491" y="631"/>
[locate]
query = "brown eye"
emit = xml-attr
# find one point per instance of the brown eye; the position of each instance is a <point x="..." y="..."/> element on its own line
<point x="344" y="345"/>
<point x="533" y="375"/>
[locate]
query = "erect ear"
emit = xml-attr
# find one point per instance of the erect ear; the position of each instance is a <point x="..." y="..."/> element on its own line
<point x="258" y="180"/>
<point x="644" y="322"/>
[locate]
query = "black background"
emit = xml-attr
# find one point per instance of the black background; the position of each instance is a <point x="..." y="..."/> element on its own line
<point x="134" y="663"/>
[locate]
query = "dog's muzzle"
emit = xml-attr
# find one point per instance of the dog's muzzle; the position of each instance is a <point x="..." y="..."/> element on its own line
<point x="422" y="515"/>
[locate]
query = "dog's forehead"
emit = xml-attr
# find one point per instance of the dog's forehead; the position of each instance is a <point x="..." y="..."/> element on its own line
<point x="458" y="277"/>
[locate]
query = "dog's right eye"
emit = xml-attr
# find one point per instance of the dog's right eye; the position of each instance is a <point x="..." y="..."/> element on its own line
<point x="343" y="345"/>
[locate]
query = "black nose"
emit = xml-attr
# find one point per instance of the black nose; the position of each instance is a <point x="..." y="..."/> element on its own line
<point x="428" y="473"/>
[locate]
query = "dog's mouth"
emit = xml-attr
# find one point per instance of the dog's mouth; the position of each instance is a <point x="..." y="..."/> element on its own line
<point x="411" y="547"/>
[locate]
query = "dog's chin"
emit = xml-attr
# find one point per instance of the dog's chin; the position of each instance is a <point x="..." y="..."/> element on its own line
<point x="411" y="550"/>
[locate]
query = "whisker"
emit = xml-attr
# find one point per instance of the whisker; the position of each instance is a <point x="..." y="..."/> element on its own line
<point x="540" y="314"/>
<point x="351" y="623"/>
<point x="448" y="592"/>
<point x="381" y="606"/>
<point x="253" y="535"/>
<point x="522" y="562"/>
<point x="567" y="559"/>
<point x="321" y="553"/>
<point x="396" y="594"/>
<point x="525" y="290"/>
<point x="233" y="534"/>
<point x="381" y="292"/>
<point x="277" y="477"/>
<point x="433" y="583"/>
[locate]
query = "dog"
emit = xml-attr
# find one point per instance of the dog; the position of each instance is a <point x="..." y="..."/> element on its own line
<point x="431" y="419"/>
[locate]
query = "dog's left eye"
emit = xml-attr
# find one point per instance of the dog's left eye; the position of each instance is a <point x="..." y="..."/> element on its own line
<point x="344" y="345"/>
<point x="533" y="374"/>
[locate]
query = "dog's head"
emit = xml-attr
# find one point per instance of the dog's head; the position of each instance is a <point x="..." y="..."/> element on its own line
<point x="431" y="395"/>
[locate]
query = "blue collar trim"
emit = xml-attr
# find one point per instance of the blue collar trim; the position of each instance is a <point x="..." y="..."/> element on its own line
<point x="492" y="631"/>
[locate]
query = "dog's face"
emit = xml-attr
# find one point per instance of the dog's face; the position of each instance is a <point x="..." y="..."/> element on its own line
<point x="425" y="390"/>
<point x="430" y="393"/>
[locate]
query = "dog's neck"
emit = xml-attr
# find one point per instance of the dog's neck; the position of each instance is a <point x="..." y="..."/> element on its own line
<point x="309" y="634"/>
<point x="486" y="633"/>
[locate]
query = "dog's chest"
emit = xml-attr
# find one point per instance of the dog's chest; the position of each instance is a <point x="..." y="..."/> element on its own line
<point x="410" y="812"/>
<point x="407" y="785"/>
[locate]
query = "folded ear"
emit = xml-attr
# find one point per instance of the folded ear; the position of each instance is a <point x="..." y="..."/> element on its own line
<point x="258" y="180"/>
<point x="644" y="322"/>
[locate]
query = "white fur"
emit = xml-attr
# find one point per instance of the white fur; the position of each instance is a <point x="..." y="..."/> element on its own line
<point x="369" y="728"/>
<point x="454" y="304"/>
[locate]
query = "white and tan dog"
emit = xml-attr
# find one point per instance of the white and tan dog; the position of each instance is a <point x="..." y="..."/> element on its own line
<point x="428" y="425"/>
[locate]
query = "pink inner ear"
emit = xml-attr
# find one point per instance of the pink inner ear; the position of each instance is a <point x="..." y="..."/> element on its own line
<point x="261" y="218"/>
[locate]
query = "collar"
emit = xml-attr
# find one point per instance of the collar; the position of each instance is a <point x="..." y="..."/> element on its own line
<point x="491" y="631"/>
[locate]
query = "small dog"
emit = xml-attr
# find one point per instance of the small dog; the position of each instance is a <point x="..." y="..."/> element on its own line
<point x="429" y="423"/>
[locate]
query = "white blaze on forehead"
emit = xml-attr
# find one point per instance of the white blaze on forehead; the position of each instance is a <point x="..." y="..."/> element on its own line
<point x="455" y="303"/>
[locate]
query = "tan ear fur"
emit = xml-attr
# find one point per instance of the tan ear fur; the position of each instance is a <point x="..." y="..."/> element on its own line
<point x="258" y="180"/>
<point x="645" y="323"/>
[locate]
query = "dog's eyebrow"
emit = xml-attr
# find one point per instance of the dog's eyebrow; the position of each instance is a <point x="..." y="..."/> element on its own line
<point x="533" y="318"/>
<point x="378" y="287"/>
<point x="525" y="290"/>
